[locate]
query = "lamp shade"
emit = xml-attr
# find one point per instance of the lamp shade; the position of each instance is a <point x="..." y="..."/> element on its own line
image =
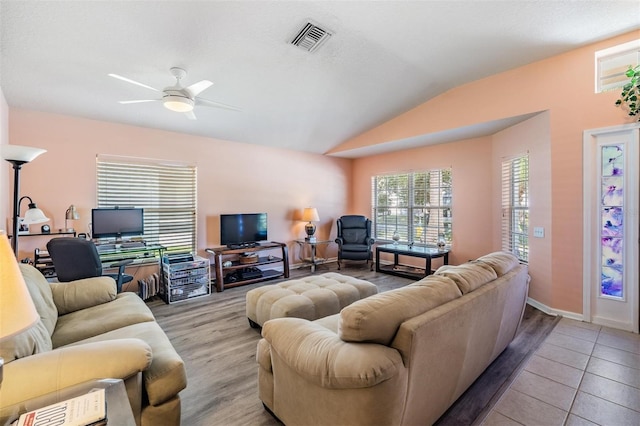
<point x="310" y="214"/>
<point x="17" y="312"/>
<point x="34" y="215"/>
<point x="19" y="153"/>
<point x="72" y="213"/>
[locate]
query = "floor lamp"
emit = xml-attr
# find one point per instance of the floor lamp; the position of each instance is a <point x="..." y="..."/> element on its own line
<point x="18" y="155"/>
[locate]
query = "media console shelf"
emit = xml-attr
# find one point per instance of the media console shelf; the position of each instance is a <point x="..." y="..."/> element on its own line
<point x="240" y="273"/>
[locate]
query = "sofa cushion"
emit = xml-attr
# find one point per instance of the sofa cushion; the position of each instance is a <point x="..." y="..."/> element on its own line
<point x="468" y="276"/>
<point x="126" y="309"/>
<point x="378" y="317"/>
<point x="81" y="294"/>
<point x="501" y="261"/>
<point x="40" y="292"/>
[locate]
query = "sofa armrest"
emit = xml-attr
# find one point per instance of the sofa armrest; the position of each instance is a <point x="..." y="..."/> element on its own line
<point x="321" y="357"/>
<point x="81" y="294"/>
<point x="37" y="375"/>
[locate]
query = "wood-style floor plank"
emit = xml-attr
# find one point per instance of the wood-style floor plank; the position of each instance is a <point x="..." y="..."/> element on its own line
<point x="212" y="335"/>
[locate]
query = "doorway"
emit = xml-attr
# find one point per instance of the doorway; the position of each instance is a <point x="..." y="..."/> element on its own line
<point x="611" y="227"/>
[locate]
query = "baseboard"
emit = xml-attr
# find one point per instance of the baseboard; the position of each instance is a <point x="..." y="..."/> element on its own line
<point x="555" y="312"/>
<point x="613" y="324"/>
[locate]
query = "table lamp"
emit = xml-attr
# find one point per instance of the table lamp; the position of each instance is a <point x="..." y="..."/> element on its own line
<point x="310" y="215"/>
<point x="17" y="312"/>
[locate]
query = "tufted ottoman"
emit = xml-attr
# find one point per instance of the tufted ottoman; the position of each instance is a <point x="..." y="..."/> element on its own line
<point x="311" y="297"/>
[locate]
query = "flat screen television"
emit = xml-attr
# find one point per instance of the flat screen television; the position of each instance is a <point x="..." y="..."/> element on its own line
<point x="117" y="222"/>
<point x="242" y="229"/>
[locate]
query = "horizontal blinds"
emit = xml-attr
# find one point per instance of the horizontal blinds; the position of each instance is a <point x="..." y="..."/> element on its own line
<point x="611" y="68"/>
<point x="515" y="206"/>
<point x="166" y="192"/>
<point x="391" y="198"/>
<point x="416" y="205"/>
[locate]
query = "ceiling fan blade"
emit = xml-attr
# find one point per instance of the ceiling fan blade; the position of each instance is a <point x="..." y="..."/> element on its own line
<point x="190" y="115"/>
<point x="139" y="101"/>
<point x="128" y="80"/>
<point x="206" y="102"/>
<point x="199" y="87"/>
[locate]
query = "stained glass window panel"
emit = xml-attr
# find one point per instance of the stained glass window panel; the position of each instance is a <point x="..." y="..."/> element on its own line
<point x="611" y="220"/>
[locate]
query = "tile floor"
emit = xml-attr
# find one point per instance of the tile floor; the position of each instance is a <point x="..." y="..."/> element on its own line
<point x="583" y="374"/>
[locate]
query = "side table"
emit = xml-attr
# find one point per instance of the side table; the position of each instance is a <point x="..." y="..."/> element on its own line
<point x="313" y="259"/>
<point x="119" y="410"/>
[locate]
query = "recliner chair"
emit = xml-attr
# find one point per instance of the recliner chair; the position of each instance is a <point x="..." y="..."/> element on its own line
<point x="354" y="239"/>
<point x="77" y="258"/>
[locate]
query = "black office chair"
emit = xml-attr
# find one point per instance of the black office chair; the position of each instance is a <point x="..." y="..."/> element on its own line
<point x="354" y="239"/>
<point x="77" y="258"/>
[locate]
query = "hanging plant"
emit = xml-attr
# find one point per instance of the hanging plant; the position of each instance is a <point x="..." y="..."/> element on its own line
<point x="630" y="96"/>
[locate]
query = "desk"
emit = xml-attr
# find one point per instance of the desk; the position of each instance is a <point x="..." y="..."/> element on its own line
<point x="119" y="410"/>
<point x="312" y="259"/>
<point x="151" y="253"/>
<point x="406" y="271"/>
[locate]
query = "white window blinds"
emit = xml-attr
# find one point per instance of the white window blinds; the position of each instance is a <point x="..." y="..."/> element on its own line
<point x="613" y="63"/>
<point x="165" y="190"/>
<point x="515" y="206"/>
<point x="415" y="205"/>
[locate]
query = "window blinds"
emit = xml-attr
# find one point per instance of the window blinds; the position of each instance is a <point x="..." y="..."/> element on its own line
<point x="515" y="206"/>
<point x="166" y="191"/>
<point x="416" y="205"/>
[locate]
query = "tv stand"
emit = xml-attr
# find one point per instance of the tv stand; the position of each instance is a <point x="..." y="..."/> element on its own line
<point x="241" y="246"/>
<point x="241" y="273"/>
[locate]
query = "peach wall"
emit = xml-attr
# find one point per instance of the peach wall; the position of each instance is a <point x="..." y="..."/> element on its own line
<point x="232" y="177"/>
<point x="529" y="137"/>
<point x="562" y="85"/>
<point x="5" y="191"/>
<point x="471" y="207"/>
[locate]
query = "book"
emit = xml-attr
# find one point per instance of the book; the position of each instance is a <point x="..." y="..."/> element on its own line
<point x="89" y="409"/>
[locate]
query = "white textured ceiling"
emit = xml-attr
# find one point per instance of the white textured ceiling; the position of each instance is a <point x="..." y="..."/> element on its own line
<point x="384" y="58"/>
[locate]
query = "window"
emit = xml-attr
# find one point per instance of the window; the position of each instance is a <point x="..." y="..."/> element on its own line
<point x="515" y="206"/>
<point x="166" y="191"/>
<point x="416" y="205"/>
<point x="613" y="63"/>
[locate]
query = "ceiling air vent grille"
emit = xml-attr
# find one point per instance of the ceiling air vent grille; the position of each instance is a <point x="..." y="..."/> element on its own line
<point x="310" y="37"/>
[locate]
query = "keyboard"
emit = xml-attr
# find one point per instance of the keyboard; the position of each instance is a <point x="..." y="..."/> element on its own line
<point x="132" y="244"/>
<point x="105" y="247"/>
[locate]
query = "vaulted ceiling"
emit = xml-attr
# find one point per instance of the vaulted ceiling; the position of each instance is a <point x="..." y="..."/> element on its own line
<point x="382" y="58"/>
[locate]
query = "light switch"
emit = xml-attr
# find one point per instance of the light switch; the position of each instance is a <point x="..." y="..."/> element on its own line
<point x="538" y="232"/>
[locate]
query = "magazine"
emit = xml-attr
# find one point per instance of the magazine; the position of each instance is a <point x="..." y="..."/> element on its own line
<point x="86" y="410"/>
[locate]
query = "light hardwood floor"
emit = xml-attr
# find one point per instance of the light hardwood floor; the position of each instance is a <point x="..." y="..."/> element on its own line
<point x="213" y="336"/>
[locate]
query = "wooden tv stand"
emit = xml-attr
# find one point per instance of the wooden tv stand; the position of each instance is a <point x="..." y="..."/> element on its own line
<point x="224" y="254"/>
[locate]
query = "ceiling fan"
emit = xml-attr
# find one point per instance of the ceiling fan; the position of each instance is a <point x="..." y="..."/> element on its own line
<point x="177" y="98"/>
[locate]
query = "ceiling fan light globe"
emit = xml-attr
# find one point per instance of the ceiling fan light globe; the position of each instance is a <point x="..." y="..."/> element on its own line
<point x="177" y="103"/>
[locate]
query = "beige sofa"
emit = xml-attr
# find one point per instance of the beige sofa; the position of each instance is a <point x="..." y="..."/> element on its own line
<point x="400" y="357"/>
<point x="86" y="331"/>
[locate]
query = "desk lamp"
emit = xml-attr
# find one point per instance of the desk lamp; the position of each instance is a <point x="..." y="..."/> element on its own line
<point x="17" y="312"/>
<point x="70" y="214"/>
<point x="310" y="215"/>
<point x="19" y="155"/>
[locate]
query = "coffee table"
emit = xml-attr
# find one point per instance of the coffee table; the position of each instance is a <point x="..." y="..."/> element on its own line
<point x="407" y="271"/>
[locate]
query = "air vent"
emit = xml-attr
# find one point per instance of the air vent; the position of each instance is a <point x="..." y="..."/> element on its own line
<point x="310" y="37"/>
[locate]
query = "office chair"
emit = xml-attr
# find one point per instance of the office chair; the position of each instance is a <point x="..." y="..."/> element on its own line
<point x="77" y="258"/>
<point x="354" y="239"/>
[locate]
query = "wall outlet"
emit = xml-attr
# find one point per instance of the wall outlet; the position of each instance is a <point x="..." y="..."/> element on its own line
<point x="538" y="232"/>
